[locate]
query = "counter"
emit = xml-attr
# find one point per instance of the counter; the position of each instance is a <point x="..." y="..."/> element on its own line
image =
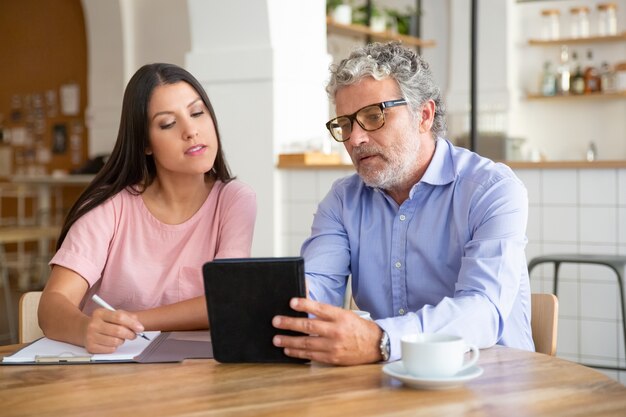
<point x="513" y="164"/>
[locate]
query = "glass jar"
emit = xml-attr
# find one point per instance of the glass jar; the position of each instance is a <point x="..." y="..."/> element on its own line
<point x="550" y="24"/>
<point x="607" y="19"/>
<point x="579" y="22"/>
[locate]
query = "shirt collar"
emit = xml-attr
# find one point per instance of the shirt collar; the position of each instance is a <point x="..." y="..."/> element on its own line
<point x="440" y="171"/>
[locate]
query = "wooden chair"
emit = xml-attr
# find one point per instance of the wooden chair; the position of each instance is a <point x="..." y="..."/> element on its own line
<point x="544" y="322"/>
<point x="29" y="329"/>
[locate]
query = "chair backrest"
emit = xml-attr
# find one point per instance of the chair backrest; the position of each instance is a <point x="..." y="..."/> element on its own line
<point x="29" y="329"/>
<point x="544" y="322"/>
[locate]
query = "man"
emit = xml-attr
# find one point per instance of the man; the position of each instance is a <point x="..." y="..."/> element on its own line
<point x="433" y="235"/>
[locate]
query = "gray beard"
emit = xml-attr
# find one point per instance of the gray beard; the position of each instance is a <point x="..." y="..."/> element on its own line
<point x="401" y="166"/>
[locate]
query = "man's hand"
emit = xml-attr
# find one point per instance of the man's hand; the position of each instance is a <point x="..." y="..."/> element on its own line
<point x="335" y="335"/>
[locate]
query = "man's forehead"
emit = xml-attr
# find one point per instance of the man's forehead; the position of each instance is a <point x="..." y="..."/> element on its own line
<point x="367" y="91"/>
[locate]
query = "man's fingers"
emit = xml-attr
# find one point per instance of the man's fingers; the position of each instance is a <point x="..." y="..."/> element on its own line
<point x="302" y="325"/>
<point x="319" y="310"/>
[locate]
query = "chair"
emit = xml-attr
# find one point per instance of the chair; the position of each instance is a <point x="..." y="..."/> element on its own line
<point x="544" y="322"/>
<point x="21" y="235"/>
<point x="29" y="329"/>
<point x="617" y="263"/>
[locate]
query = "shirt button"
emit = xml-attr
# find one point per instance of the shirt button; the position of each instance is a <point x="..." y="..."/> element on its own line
<point x="402" y="217"/>
<point x="398" y="264"/>
<point x="401" y="311"/>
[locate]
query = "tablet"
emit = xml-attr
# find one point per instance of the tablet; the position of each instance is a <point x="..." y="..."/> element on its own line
<point x="242" y="296"/>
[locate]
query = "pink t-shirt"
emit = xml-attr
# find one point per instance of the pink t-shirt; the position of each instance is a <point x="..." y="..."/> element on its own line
<point x="135" y="262"/>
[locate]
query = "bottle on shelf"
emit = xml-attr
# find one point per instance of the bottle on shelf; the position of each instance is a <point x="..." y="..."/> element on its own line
<point x="607" y="83"/>
<point x="579" y="22"/>
<point x="607" y="19"/>
<point x="577" y="79"/>
<point x="550" y="24"/>
<point x="591" y="75"/>
<point x="548" y="80"/>
<point x="592" y="152"/>
<point x="563" y="72"/>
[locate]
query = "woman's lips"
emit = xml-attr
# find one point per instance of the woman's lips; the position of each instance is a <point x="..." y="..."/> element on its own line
<point x="195" y="150"/>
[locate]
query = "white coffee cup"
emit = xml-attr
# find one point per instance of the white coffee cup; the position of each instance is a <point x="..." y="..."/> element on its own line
<point x="363" y="314"/>
<point x="436" y="355"/>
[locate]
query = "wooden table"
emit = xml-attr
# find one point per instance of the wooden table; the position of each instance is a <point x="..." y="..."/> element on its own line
<point x="514" y="383"/>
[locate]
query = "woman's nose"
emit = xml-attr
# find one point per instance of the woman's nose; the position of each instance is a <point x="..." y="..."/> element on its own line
<point x="190" y="131"/>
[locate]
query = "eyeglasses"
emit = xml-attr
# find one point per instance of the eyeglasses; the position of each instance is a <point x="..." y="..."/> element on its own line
<point x="370" y="118"/>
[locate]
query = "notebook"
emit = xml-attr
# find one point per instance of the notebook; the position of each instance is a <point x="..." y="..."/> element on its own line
<point x="243" y="295"/>
<point x="162" y="347"/>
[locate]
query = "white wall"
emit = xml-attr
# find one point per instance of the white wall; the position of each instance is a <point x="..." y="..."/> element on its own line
<point x="263" y="64"/>
<point x="122" y="35"/>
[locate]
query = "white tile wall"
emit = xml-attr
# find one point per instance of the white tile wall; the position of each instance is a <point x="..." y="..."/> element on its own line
<point x="621" y="222"/>
<point x="598" y="187"/>
<point x="570" y="211"/>
<point x="581" y="211"/>
<point x="621" y="187"/>
<point x="598" y="224"/>
<point x="304" y="189"/>
<point x="590" y="293"/>
<point x="559" y="187"/>
<point x="567" y="338"/>
<point x="560" y="223"/>
<point x="598" y="340"/>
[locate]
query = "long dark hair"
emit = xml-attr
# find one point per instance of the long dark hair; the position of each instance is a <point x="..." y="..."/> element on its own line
<point x="129" y="167"/>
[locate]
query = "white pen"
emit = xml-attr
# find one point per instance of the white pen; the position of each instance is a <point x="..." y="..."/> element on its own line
<point x="106" y="305"/>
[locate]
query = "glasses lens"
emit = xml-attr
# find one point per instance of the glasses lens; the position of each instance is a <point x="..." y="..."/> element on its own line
<point x="371" y="118"/>
<point x="341" y="128"/>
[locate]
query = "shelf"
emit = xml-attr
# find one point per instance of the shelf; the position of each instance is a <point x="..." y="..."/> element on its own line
<point x="572" y="41"/>
<point x="575" y="97"/>
<point x="361" y="30"/>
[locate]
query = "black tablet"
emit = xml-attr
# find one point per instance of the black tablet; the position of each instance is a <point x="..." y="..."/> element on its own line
<point x="242" y="296"/>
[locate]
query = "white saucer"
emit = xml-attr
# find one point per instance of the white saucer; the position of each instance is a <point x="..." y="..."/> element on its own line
<point x="396" y="370"/>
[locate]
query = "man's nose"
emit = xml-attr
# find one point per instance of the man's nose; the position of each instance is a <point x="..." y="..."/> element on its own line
<point x="358" y="135"/>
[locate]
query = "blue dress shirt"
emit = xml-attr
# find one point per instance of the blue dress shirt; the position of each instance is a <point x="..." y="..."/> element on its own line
<point x="448" y="259"/>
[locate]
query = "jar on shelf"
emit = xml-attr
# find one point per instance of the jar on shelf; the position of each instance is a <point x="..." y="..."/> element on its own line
<point x="550" y="24"/>
<point x="607" y="19"/>
<point x="579" y="22"/>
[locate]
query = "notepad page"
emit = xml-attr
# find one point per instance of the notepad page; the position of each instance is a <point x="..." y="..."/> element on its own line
<point x="128" y="350"/>
<point x="45" y="347"/>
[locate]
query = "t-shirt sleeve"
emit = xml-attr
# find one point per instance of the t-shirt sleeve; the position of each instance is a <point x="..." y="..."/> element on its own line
<point x="237" y="212"/>
<point x="85" y="249"/>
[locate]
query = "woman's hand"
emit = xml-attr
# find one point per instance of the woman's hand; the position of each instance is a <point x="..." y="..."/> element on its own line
<point x="106" y="330"/>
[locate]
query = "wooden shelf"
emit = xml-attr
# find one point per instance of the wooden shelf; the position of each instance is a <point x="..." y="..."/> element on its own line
<point x="576" y="97"/>
<point x="573" y="41"/>
<point x="308" y="159"/>
<point x="363" y="31"/>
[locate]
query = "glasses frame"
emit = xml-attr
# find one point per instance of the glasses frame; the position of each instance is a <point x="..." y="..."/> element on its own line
<point x="352" y="117"/>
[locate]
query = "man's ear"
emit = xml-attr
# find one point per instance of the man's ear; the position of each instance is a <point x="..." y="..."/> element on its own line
<point x="427" y="116"/>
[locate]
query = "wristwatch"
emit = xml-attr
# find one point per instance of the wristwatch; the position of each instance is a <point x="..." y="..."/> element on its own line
<point x="384" y="346"/>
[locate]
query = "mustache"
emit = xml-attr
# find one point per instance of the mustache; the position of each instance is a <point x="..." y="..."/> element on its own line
<point x="362" y="151"/>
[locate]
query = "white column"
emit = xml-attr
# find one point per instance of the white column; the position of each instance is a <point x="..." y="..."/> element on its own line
<point x="263" y="64"/>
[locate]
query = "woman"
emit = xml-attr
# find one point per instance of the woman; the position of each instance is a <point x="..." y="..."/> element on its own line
<point x="163" y="205"/>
